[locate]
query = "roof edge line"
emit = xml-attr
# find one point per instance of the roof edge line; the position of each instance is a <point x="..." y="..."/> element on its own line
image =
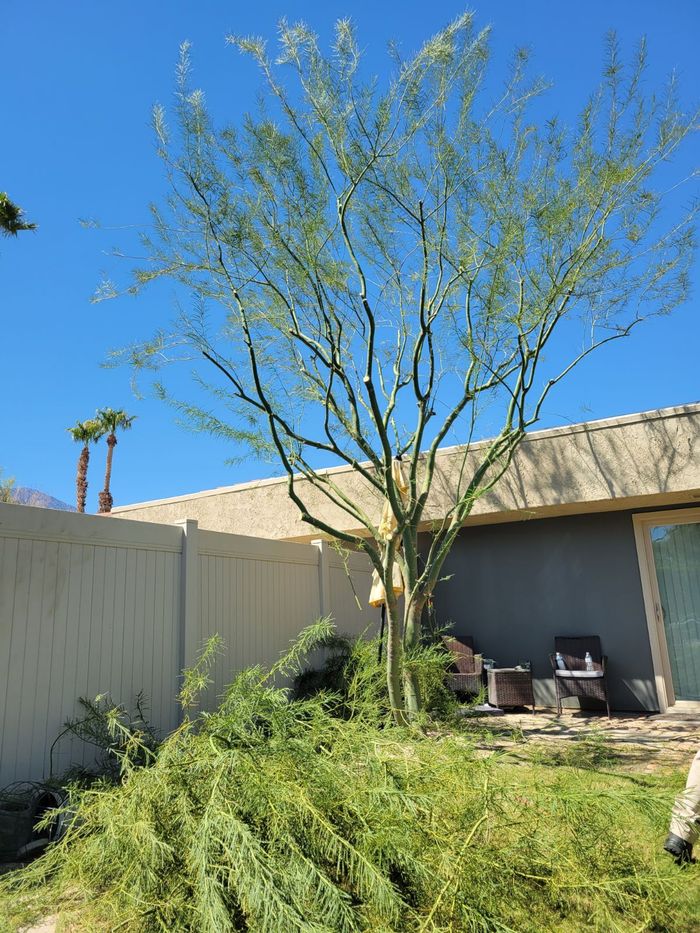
<point x="580" y="427"/>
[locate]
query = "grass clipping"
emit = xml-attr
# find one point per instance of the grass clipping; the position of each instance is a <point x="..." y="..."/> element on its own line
<point x="278" y="815"/>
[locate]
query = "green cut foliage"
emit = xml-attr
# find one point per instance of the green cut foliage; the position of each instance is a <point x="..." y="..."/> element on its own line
<point x="114" y="732"/>
<point x="274" y="814"/>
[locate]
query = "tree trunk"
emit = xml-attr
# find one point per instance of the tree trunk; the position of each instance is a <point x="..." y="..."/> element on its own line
<point x="81" y="479"/>
<point x="412" y="622"/>
<point x="394" y="664"/>
<point x="105" y="497"/>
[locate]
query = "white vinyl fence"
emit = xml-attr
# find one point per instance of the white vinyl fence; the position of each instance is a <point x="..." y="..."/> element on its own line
<point x="90" y="605"/>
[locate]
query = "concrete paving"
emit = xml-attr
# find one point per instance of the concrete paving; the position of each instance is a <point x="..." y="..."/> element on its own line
<point x="48" y="925"/>
<point x="645" y="742"/>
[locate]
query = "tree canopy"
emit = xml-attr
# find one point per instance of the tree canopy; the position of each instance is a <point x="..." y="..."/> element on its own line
<point x="12" y="219"/>
<point x="110" y="420"/>
<point x="367" y="265"/>
<point x="7" y="488"/>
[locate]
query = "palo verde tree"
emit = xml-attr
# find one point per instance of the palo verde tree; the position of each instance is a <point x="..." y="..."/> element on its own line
<point x="369" y="264"/>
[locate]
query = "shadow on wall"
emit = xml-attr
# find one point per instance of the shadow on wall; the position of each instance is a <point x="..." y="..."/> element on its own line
<point x="615" y="462"/>
<point x="595" y="462"/>
<point x="641" y="691"/>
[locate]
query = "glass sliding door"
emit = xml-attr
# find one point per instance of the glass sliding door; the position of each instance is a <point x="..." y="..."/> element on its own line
<point x="675" y="548"/>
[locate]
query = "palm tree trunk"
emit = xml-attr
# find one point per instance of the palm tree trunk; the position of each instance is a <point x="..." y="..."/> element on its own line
<point x="105" y="498"/>
<point x="81" y="479"/>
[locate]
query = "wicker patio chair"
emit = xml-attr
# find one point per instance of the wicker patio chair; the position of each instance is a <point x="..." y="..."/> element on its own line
<point x="576" y="681"/>
<point x="467" y="669"/>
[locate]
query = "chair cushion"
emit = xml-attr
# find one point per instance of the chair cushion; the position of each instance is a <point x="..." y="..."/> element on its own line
<point x="582" y="674"/>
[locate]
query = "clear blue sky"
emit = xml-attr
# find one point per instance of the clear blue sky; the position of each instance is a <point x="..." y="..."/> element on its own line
<point x="78" y="82"/>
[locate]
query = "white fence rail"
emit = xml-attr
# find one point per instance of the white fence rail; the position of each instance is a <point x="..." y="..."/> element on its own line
<point x="91" y="605"/>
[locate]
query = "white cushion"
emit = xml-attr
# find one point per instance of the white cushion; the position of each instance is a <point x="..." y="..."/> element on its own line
<point x="583" y="674"/>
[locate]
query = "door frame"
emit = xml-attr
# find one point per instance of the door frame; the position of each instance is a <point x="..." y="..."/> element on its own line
<point x="643" y="522"/>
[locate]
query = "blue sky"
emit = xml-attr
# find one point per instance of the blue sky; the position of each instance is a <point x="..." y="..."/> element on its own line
<point x="77" y="94"/>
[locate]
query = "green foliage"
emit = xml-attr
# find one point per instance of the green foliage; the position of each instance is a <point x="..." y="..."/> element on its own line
<point x="86" y="432"/>
<point x="7" y="488"/>
<point x="412" y="217"/>
<point x="354" y="679"/>
<point x="12" y="219"/>
<point x="196" y="679"/>
<point x="111" y="420"/>
<point x="275" y="815"/>
<point x="591" y="751"/>
<point x="116" y="734"/>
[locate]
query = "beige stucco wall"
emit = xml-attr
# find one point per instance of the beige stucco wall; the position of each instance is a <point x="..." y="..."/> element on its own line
<point x="629" y="462"/>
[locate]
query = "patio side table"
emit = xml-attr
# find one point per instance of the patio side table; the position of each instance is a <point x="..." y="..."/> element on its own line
<point x="509" y="687"/>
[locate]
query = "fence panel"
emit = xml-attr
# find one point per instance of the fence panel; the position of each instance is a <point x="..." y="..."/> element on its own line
<point x="85" y="609"/>
<point x="91" y="605"/>
<point x="258" y="594"/>
<point x="350" y="577"/>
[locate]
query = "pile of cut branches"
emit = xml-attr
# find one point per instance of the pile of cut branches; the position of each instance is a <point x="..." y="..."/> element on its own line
<point x="275" y="814"/>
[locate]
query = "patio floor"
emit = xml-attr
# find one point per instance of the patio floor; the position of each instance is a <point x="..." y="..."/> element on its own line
<point x="644" y="742"/>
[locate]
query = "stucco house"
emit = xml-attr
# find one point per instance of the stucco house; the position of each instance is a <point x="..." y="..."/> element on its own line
<point x="594" y="529"/>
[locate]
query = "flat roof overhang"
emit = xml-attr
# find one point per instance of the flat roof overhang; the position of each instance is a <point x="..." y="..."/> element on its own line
<point x="632" y="462"/>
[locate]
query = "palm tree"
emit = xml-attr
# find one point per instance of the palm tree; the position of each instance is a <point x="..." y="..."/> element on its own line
<point x="85" y="433"/>
<point x="111" y="420"/>
<point x="11" y="217"/>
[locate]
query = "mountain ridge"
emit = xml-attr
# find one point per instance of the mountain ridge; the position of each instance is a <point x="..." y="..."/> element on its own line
<point x="25" y="495"/>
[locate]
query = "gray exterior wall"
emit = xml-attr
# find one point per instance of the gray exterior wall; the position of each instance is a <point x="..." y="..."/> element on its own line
<point x="515" y="586"/>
